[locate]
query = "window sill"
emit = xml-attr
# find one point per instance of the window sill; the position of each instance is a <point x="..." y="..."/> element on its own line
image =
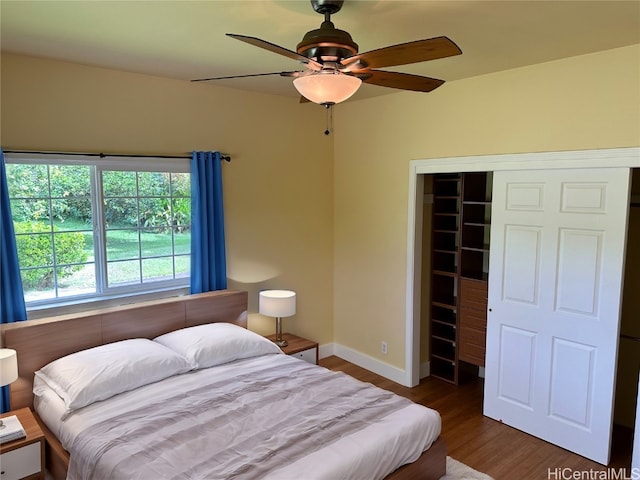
<point x="42" y="311"/>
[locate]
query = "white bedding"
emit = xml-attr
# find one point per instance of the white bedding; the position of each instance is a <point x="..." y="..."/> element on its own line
<point x="377" y="447"/>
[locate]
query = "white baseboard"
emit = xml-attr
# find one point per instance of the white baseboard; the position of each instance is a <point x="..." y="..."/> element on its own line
<point x="326" y="350"/>
<point x="372" y="364"/>
<point x="365" y="361"/>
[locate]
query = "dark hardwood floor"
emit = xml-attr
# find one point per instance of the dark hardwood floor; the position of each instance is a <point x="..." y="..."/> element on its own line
<point x="490" y="446"/>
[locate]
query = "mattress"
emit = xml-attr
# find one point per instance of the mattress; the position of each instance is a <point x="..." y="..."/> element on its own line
<point x="268" y="417"/>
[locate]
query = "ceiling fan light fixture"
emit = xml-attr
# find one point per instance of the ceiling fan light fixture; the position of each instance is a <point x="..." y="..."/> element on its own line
<point x="327" y="88"/>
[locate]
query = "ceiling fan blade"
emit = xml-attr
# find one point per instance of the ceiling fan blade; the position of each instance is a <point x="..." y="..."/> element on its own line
<point x="403" y="54"/>
<point x="282" y="74"/>
<point x="272" y="47"/>
<point x="402" y="81"/>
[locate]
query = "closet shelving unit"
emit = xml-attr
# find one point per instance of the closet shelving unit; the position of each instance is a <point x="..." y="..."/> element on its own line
<point x="460" y="247"/>
<point x="444" y="276"/>
<point x="474" y="267"/>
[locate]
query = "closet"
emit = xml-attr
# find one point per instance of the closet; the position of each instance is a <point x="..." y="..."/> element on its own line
<point x="457" y="221"/>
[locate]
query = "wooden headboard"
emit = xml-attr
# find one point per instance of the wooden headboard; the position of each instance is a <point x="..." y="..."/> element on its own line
<point x="41" y="341"/>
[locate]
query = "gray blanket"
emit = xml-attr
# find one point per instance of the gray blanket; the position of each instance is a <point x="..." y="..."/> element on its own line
<point x="238" y="430"/>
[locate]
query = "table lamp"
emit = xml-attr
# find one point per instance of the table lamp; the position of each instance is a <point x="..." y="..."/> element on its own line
<point x="279" y="304"/>
<point x="8" y="369"/>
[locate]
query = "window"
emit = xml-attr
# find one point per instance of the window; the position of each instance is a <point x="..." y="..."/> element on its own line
<point x="92" y="227"/>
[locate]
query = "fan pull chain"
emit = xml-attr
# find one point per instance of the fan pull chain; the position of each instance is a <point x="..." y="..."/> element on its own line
<point x="329" y="118"/>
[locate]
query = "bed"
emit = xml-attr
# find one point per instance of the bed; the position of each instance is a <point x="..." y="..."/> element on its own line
<point x="246" y="413"/>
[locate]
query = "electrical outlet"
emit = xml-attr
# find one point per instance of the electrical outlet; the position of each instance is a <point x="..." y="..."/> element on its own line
<point x="383" y="347"/>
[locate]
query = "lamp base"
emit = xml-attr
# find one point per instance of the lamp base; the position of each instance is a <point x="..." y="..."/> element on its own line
<point x="281" y="342"/>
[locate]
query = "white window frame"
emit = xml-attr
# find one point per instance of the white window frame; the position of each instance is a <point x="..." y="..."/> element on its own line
<point x="104" y="296"/>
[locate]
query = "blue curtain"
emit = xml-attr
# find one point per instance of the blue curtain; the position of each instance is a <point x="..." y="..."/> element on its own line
<point x="12" y="308"/>
<point x="208" y="257"/>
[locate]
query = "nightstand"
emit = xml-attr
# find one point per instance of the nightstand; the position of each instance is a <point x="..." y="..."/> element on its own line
<point x="23" y="458"/>
<point x="299" y="347"/>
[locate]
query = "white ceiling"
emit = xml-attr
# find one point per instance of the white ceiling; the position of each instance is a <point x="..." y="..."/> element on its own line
<point x="186" y="39"/>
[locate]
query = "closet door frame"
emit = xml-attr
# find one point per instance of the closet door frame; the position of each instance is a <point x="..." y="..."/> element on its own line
<point x="602" y="158"/>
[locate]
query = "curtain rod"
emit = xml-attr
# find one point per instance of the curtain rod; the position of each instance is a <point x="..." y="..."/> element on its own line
<point x="223" y="156"/>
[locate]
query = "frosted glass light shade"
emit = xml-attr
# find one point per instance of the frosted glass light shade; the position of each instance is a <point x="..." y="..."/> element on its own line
<point x="277" y="303"/>
<point x="327" y="88"/>
<point x="8" y="366"/>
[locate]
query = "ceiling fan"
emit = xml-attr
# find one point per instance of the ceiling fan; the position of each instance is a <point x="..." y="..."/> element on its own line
<point x="334" y="68"/>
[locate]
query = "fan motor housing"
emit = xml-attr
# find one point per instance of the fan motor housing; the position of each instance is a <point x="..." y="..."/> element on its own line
<point x="327" y="43"/>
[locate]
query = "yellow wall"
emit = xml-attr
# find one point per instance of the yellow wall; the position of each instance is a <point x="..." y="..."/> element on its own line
<point x="584" y="102"/>
<point x="278" y="190"/>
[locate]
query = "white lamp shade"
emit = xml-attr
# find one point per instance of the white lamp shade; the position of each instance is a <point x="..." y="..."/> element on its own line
<point x="8" y="366"/>
<point x="327" y="88"/>
<point x="277" y="303"/>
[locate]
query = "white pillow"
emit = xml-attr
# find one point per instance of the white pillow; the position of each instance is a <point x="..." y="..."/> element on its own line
<point x="98" y="373"/>
<point x="216" y="343"/>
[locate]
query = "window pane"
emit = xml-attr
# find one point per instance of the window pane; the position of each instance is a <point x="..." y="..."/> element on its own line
<point x="181" y="185"/>
<point x="30" y="210"/>
<point x="27" y="180"/>
<point x="182" y="243"/>
<point x="119" y="184"/>
<point x="123" y="273"/>
<point x="76" y="280"/>
<point x="156" y="242"/>
<point x="35" y="249"/>
<point x="70" y="248"/>
<point x="154" y="269"/>
<point x="38" y="284"/>
<point x="155" y="212"/>
<point x="122" y="244"/>
<point x="183" y="266"/>
<point x="70" y="181"/>
<point x="152" y="184"/>
<point x="72" y="213"/>
<point x="181" y="208"/>
<point x="121" y="212"/>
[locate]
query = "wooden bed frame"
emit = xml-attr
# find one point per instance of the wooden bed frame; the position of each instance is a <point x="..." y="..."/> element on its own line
<point x="39" y="342"/>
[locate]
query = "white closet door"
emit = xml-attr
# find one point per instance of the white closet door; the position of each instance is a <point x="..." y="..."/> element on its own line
<point x="555" y="282"/>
